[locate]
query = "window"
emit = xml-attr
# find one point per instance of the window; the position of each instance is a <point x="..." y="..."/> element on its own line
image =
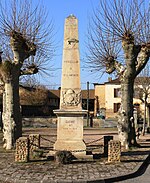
<point x="116" y="107"/>
<point x="117" y="92"/>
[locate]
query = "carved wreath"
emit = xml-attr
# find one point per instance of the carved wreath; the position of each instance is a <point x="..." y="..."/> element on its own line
<point x="71" y="98"/>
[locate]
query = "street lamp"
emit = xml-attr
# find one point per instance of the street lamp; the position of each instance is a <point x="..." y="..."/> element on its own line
<point x="88" y="104"/>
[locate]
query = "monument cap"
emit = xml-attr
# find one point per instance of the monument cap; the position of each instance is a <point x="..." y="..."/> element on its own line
<point x="71" y="16"/>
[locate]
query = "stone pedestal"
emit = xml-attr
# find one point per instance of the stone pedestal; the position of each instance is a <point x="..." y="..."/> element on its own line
<point x="70" y="131"/>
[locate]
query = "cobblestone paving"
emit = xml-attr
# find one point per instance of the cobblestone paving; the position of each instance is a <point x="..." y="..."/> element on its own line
<point x="49" y="171"/>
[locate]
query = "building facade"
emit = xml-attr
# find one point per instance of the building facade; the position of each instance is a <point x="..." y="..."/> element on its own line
<point x="108" y="99"/>
<point x="103" y="101"/>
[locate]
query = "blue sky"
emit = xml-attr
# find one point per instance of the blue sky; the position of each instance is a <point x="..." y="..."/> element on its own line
<point x="58" y="10"/>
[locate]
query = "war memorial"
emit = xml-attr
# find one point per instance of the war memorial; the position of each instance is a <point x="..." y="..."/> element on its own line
<point x="113" y="163"/>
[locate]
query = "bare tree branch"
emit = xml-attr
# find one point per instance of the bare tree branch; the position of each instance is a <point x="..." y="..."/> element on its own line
<point x="28" y="24"/>
<point x="119" y="39"/>
<point x="28" y="41"/>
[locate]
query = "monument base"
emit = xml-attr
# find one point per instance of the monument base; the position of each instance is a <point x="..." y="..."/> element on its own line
<point x="70" y="132"/>
<point x="75" y="147"/>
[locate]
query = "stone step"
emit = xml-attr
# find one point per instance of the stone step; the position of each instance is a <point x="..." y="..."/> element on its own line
<point x="80" y="156"/>
<point x="84" y="157"/>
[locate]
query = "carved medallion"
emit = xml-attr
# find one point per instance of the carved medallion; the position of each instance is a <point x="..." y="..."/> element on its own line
<point x="71" y="97"/>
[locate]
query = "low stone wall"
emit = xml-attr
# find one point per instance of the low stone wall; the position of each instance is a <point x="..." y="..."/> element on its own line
<point x="98" y="123"/>
<point x="39" y="122"/>
<point x="94" y="122"/>
<point x="52" y="122"/>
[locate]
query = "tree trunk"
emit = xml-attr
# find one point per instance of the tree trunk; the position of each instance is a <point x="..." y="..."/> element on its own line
<point x="126" y="127"/>
<point x="12" y="123"/>
<point x="17" y="109"/>
<point x="8" y="121"/>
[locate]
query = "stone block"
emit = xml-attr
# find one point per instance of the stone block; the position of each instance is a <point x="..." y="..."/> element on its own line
<point x="22" y="149"/>
<point x="114" y="151"/>
<point x="34" y="140"/>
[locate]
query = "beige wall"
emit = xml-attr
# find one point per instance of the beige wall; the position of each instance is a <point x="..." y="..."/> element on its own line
<point x="110" y="100"/>
<point x="100" y="92"/>
<point x="106" y="99"/>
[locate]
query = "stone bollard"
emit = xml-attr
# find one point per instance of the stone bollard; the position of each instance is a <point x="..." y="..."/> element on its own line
<point x="22" y="149"/>
<point x="114" y="151"/>
<point x="34" y="142"/>
<point x="106" y="140"/>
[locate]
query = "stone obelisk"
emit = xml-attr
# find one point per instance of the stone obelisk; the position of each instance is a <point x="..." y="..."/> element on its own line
<point x="70" y="115"/>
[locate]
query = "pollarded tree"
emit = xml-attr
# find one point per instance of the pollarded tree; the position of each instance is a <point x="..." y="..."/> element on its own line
<point x="119" y="42"/>
<point x="142" y="89"/>
<point x="26" y="39"/>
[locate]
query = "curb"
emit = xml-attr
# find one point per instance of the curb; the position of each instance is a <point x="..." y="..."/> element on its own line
<point x="139" y="169"/>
